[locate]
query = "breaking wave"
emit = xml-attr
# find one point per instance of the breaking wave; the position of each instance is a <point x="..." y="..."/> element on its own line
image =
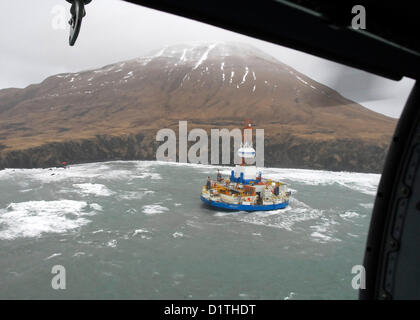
<point x="154" y="209"/>
<point x="95" y="189"/>
<point x="33" y="218"/>
<point x="366" y="183"/>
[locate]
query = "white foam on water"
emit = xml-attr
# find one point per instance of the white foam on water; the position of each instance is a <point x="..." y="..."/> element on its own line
<point x="296" y="212"/>
<point x="183" y="164"/>
<point x="177" y="275"/>
<point x="154" y="209"/>
<point x="323" y="232"/>
<point x="146" y="174"/>
<point x="225" y="213"/>
<point x="177" y="235"/>
<point x="112" y="243"/>
<point x="272" y="212"/>
<point x="95" y="189"/>
<point x="53" y="255"/>
<point x="193" y="224"/>
<point x="131" y="211"/>
<point x="33" y="218"/>
<point x="140" y="231"/>
<point x="96" y="207"/>
<point x="352" y="235"/>
<point x="133" y="195"/>
<point x="366" y="183"/>
<point x="80" y="172"/>
<point x="80" y="253"/>
<point x="321" y="236"/>
<point x="349" y="214"/>
<point x="290" y="296"/>
<point x="366" y="205"/>
<point x="284" y="218"/>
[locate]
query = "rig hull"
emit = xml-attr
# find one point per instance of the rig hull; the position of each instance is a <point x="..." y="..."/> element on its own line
<point x="242" y="207"/>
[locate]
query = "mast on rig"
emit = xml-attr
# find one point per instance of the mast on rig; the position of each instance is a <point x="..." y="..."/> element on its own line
<point x="246" y="151"/>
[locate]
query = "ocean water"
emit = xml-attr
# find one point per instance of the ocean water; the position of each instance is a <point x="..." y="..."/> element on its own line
<point x="138" y="230"/>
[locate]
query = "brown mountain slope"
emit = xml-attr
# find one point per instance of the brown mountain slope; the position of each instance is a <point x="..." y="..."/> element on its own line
<point x="115" y="112"/>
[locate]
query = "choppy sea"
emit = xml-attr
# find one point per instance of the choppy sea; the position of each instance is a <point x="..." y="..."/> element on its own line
<point x="138" y="230"/>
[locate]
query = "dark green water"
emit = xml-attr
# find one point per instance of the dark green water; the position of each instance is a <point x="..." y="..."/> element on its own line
<point x="137" y="230"/>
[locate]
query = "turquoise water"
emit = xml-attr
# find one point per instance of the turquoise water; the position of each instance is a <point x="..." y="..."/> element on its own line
<point x="138" y="230"/>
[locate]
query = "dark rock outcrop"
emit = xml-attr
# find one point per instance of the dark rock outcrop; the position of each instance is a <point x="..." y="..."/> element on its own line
<point x="335" y="155"/>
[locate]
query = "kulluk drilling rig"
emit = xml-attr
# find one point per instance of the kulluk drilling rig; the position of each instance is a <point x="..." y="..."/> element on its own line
<point x="244" y="190"/>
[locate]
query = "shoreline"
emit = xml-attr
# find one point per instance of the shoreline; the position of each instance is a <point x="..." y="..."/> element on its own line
<point x="182" y="164"/>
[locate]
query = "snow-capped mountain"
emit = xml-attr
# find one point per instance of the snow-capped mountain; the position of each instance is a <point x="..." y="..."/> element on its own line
<point x="211" y="85"/>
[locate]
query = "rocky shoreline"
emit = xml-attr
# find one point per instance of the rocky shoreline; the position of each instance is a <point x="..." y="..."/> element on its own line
<point x="335" y="155"/>
<point x="114" y="112"/>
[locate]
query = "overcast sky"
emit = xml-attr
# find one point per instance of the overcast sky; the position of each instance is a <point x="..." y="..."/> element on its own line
<point x="34" y="45"/>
